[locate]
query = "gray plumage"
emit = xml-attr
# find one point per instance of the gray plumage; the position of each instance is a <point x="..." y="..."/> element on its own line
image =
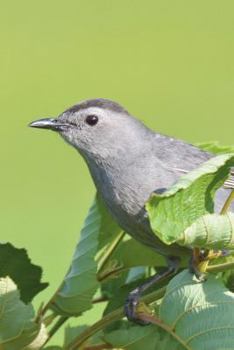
<point x="127" y="162"/>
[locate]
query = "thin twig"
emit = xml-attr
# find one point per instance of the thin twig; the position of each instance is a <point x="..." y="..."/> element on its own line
<point x="54" y="329"/>
<point x="50" y="301"/>
<point x="100" y="299"/>
<point x="152" y="319"/>
<point x="110" y="273"/>
<point x="99" y="347"/>
<point x="220" y="267"/>
<point x="112" y="247"/>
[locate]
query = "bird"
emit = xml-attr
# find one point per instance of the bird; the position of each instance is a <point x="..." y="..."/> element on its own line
<point x="128" y="162"/>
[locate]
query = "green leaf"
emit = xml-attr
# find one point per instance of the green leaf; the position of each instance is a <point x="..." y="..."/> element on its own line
<point x="70" y="333"/>
<point x="15" y="263"/>
<point x="121" y="262"/>
<point x="200" y="314"/>
<point x="134" y="337"/>
<point x="109" y="228"/>
<point x="193" y="315"/>
<point x="192" y="196"/>
<point x="17" y="326"/>
<point x="140" y="255"/>
<point x="215" y="147"/>
<point x="131" y="253"/>
<point x="80" y="284"/>
<point x="40" y="339"/>
<point x="129" y="336"/>
<point x="211" y="231"/>
<point x="228" y="278"/>
<point x="73" y="332"/>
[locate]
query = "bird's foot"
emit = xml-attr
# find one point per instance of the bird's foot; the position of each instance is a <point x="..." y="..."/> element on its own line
<point x="200" y="261"/>
<point x="194" y="269"/>
<point x="198" y="264"/>
<point x="135" y="310"/>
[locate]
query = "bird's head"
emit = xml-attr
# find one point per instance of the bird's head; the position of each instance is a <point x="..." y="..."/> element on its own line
<point x="96" y="128"/>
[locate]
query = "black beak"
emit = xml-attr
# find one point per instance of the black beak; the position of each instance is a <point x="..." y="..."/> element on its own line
<point x="49" y="123"/>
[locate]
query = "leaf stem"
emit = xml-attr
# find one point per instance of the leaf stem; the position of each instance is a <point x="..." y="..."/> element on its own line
<point x="100" y="299"/>
<point x="227" y="203"/>
<point x="99" y="347"/>
<point x="110" y="273"/>
<point x="111" y="317"/>
<point x="54" y="329"/>
<point x="50" y="301"/>
<point x="110" y="251"/>
<point x="157" y="322"/>
<point x="220" y="267"/>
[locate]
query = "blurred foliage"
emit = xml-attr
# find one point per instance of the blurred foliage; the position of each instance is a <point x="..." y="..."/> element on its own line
<point x="18" y="328"/>
<point x="215" y="147"/>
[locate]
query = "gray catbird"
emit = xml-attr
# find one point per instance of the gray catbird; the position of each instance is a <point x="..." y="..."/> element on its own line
<point x="128" y="162"/>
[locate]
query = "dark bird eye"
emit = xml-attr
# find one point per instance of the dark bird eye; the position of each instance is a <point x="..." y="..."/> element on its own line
<point x="91" y="120"/>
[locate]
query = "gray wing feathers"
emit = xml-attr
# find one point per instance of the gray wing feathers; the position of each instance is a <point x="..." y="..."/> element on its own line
<point x="183" y="157"/>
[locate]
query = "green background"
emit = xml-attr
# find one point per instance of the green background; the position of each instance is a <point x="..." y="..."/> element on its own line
<point x="168" y="62"/>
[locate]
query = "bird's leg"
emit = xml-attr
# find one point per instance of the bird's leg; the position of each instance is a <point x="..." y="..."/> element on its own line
<point x="132" y="306"/>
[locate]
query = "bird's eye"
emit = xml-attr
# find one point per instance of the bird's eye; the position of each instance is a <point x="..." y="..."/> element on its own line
<point x="91" y="120"/>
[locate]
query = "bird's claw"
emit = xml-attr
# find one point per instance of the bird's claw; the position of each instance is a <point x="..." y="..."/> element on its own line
<point x="133" y="309"/>
<point x="200" y="261"/>
<point x="197" y="265"/>
<point x="200" y="276"/>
